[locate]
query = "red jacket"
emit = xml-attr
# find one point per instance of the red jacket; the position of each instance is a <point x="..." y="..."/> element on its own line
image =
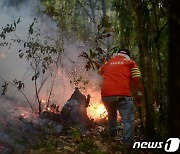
<point x="118" y="73"/>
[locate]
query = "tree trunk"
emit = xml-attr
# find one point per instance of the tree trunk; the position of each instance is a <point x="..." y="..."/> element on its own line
<point x="174" y="69"/>
<point x="146" y="66"/>
<point x="161" y="90"/>
<point x="125" y="14"/>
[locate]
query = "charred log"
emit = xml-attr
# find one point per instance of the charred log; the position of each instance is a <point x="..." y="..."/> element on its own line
<point x="74" y="113"/>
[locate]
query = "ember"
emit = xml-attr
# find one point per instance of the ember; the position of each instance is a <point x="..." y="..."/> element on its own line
<point x="25" y="115"/>
<point x="43" y="101"/>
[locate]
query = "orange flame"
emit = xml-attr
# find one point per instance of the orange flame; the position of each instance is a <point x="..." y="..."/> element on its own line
<point x="96" y="111"/>
<point x="25" y="115"/>
<point x="43" y="100"/>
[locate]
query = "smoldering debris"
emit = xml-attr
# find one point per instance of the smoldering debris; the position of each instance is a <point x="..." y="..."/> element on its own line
<point x="74" y="113"/>
<point x="20" y="135"/>
<point x="21" y="129"/>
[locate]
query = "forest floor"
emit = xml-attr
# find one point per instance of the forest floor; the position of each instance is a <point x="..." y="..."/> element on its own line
<point x="19" y="136"/>
<point x="96" y="142"/>
<point x="37" y="135"/>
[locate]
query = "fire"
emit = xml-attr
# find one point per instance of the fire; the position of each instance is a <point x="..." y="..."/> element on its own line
<point x="52" y="108"/>
<point x="96" y="111"/>
<point x="25" y="115"/>
<point x="43" y="101"/>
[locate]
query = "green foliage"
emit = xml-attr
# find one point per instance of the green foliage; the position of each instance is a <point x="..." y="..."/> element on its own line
<point x="9" y="28"/>
<point x="76" y="135"/>
<point x="88" y="146"/>
<point x="75" y="17"/>
<point x="31" y="30"/>
<point x="4" y="88"/>
<point x="39" y="54"/>
<point x="19" y="84"/>
<point x="124" y="23"/>
<point x="98" y="56"/>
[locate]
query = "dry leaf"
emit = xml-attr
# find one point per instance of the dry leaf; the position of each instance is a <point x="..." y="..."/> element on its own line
<point x="69" y="148"/>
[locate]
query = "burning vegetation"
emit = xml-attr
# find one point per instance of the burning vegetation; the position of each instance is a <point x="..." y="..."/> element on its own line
<point x="95" y="109"/>
<point x="27" y="125"/>
<point x="71" y="129"/>
<point x="45" y="70"/>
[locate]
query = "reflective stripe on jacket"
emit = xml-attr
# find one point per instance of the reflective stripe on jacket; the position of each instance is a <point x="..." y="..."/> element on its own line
<point x="118" y="73"/>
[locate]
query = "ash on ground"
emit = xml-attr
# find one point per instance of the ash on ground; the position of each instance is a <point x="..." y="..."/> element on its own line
<point x="20" y="132"/>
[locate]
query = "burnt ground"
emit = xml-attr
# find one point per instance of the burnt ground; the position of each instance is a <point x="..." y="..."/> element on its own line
<point x="46" y="136"/>
<point x="68" y="131"/>
<point x="95" y="142"/>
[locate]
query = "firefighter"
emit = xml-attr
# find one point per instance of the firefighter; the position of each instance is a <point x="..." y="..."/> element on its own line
<point x="116" y="92"/>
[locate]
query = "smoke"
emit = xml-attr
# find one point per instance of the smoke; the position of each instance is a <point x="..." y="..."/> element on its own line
<point x="11" y="66"/>
<point x="70" y="68"/>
